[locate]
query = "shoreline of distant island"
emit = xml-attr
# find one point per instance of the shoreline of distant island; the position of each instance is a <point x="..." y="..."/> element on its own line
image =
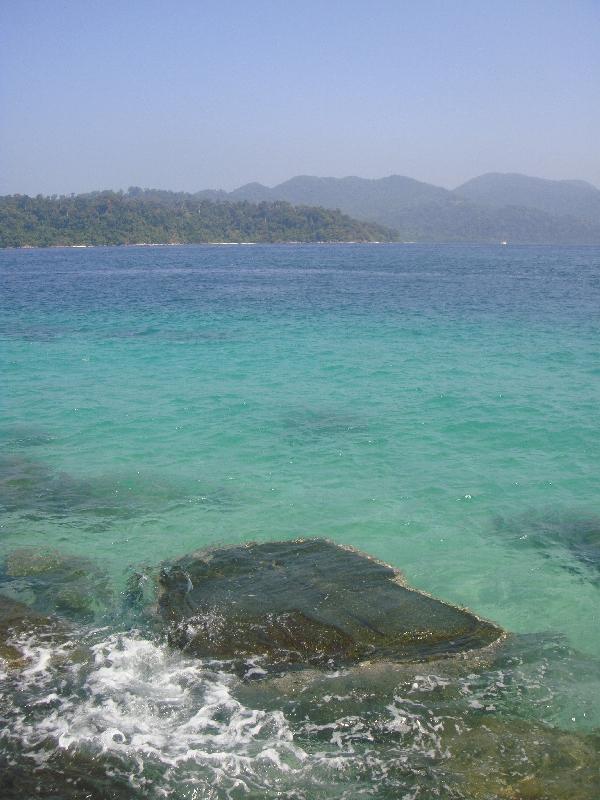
<point x="491" y="209"/>
<point x="286" y="243"/>
<point x="134" y="245"/>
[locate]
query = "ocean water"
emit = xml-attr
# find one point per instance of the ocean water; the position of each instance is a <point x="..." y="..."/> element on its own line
<point x="436" y="407"/>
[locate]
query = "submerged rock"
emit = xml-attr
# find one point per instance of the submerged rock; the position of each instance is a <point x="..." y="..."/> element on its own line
<point x="71" y="586"/>
<point x="491" y="757"/>
<point x="31" y="486"/>
<point x="313" y="424"/>
<point x="65" y="775"/>
<point x="308" y="602"/>
<point x="31" y="562"/>
<point x="22" y="436"/>
<point x="570" y="538"/>
<point x="18" y="620"/>
<point x="448" y="729"/>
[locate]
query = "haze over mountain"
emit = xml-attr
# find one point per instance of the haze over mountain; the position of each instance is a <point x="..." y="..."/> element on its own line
<point x="492" y="207"/>
<point x="489" y="209"/>
<point x="563" y="198"/>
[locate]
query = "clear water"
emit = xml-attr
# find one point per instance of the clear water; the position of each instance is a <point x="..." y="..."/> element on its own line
<point x="434" y="406"/>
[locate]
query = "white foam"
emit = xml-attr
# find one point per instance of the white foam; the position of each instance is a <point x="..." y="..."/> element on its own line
<point x="162" y="714"/>
<point x="143" y="703"/>
<point x="161" y="703"/>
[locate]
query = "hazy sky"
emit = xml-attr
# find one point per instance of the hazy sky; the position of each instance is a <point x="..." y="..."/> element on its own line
<point x="188" y="94"/>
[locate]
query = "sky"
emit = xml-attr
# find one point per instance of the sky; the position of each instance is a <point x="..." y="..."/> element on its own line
<point x="195" y="94"/>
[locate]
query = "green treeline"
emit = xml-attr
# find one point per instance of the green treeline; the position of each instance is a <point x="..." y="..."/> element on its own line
<point x="110" y="218"/>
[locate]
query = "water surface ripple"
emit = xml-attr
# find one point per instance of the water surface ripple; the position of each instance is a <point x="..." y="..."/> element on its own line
<point x="434" y="406"/>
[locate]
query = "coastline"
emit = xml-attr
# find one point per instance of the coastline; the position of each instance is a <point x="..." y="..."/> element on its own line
<point x="198" y="244"/>
<point x="451" y="244"/>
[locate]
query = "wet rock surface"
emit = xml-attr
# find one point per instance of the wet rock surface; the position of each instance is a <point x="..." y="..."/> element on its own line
<point x="308" y="602"/>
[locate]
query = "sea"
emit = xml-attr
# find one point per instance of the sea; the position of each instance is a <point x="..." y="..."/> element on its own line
<point x="434" y="406"/>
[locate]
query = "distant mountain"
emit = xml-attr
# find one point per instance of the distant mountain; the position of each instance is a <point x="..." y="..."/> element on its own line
<point x="457" y="220"/>
<point x="561" y="198"/>
<point x="491" y="208"/>
<point x="138" y="216"/>
<point x="374" y="200"/>
<point x="255" y="193"/>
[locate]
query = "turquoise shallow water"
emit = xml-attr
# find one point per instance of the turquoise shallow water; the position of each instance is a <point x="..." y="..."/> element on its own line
<point x="434" y="406"/>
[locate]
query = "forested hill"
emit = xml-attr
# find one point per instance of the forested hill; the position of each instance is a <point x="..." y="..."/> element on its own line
<point x="108" y="218"/>
<point x="309" y="209"/>
<point x="490" y="208"/>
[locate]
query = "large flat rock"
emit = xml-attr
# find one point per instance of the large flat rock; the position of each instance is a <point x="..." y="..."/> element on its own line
<point x="308" y="602"/>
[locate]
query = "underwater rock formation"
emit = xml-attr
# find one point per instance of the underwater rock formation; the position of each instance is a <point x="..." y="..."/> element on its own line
<point x="17" y="620"/>
<point x="35" y="489"/>
<point x="518" y="760"/>
<point x="308" y="602"/>
<point x="68" y="585"/>
<point x="571" y="538"/>
<point x="65" y="775"/>
<point x="31" y="486"/>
